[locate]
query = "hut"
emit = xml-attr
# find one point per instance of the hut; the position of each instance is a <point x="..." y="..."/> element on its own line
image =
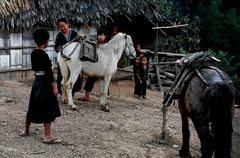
<point x="19" y="18"/>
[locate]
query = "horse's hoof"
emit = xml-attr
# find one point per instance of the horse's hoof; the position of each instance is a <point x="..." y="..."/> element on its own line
<point x="106" y="108"/>
<point x="163" y="140"/>
<point x="74" y="108"/>
<point x="184" y="154"/>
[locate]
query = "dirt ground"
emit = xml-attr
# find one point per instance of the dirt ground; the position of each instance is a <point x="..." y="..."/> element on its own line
<point x="131" y="130"/>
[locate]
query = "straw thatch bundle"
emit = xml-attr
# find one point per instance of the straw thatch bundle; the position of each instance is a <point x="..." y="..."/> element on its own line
<point x="12" y="7"/>
<point x="45" y="12"/>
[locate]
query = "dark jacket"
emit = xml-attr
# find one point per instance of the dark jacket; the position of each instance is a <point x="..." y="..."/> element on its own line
<point x="61" y="40"/>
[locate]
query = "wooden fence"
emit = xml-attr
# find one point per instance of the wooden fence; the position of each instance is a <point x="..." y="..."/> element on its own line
<point x="167" y="67"/>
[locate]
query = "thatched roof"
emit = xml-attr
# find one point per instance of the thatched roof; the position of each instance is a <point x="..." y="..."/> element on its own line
<point x="12" y="7"/>
<point x="46" y="12"/>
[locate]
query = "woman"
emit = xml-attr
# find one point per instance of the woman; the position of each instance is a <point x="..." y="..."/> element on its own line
<point x="65" y="35"/>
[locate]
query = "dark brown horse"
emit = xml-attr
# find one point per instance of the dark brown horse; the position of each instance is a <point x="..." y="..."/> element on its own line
<point x="208" y="99"/>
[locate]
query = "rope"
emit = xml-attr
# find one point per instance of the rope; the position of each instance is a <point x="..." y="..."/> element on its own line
<point x="170" y="114"/>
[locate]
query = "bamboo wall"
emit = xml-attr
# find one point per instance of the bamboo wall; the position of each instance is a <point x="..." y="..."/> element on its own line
<point x="16" y="48"/>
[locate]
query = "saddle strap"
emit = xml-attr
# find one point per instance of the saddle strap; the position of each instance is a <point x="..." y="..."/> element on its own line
<point x="180" y="79"/>
<point x="78" y="39"/>
<point x="213" y="68"/>
<point x="220" y="72"/>
<point x="201" y="77"/>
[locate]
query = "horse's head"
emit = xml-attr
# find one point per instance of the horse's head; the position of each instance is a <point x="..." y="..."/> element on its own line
<point x="129" y="47"/>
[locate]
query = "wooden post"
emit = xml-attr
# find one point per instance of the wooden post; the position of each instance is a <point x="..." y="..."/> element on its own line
<point x="156" y="60"/>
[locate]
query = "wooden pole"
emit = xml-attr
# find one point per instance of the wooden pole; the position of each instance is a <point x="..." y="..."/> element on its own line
<point x="169" y="27"/>
<point x="156" y="60"/>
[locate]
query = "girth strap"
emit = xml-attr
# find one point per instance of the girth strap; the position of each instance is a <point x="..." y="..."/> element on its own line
<point x="201" y="77"/>
<point x="78" y="39"/>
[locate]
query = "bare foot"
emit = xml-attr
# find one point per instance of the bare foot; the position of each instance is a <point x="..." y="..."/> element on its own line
<point x="24" y="133"/>
<point x="145" y="97"/>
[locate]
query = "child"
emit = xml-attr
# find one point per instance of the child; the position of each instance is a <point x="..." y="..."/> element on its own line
<point x="143" y="75"/>
<point x="136" y="69"/>
<point x="43" y="105"/>
<point x="101" y="37"/>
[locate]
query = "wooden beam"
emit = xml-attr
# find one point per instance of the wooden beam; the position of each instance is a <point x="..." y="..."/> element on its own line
<point x="169" y="27"/>
<point x="162" y="53"/>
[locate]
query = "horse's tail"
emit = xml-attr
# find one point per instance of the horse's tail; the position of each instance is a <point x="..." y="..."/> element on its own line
<point x="64" y="70"/>
<point x="220" y="99"/>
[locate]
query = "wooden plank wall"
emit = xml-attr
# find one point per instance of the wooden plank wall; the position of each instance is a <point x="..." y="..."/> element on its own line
<point x="16" y="74"/>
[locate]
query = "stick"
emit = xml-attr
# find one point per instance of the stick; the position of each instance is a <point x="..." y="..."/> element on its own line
<point x="169" y="27"/>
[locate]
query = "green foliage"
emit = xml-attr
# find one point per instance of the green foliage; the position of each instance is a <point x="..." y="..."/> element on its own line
<point x="220" y="30"/>
<point x="177" y="40"/>
<point x="229" y="64"/>
<point x="213" y="25"/>
<point x="225" y="63"/>
<point x="163" y="6"/>
<point x="187" y="40"/>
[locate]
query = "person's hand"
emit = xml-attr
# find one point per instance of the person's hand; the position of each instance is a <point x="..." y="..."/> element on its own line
<point x="55" y="90"/>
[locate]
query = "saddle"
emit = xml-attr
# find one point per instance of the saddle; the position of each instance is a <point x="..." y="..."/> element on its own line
<point x="191" y="64"/>
<point x="88" y="51"/>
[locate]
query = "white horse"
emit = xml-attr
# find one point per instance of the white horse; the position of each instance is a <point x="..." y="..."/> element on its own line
<point x="108" y="56"/>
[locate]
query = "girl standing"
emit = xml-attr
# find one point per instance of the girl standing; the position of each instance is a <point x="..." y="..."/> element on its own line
<point x="143" y="75"/>
<point x="136" y="69"/>
<point x="43" y="105"/>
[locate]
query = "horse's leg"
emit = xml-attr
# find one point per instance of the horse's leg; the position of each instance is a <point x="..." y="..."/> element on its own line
<point x="104" y="84"/>
<point x="164" y="126"/>
<point x="64" y="92"/>
<point x="72" y="79"/>
<point x="184" y="151"/>
<point x="202" y="127"/>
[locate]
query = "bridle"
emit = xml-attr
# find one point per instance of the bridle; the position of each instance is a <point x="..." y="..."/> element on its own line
<point x="127" y="45"/>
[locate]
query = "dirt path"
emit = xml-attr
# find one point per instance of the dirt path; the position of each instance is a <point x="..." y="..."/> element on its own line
<point x="130" y="130"/>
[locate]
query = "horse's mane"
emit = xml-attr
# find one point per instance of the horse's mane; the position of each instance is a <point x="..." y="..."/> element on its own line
<point x="115" y="39"/>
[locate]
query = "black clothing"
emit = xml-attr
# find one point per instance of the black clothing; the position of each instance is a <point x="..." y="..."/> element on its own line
<point x="143" y="74"/>
<point x="41" y="62"/>
<point x="136" y="69"/>
<point x="43" y="105"/>
<point x="90" y="83"/>
<point x="60" y="41"/>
